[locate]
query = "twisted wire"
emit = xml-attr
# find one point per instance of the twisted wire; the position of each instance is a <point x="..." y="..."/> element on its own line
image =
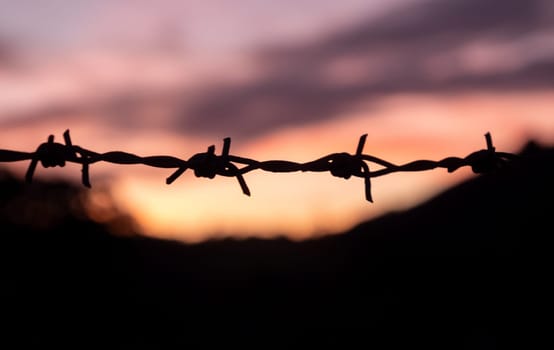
<point x="209" y="165"/>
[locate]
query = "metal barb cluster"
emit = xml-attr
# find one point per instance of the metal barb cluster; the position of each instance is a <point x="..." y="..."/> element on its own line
<point x="209" y="165"/>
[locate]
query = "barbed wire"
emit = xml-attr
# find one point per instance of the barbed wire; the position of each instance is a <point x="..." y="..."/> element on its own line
<point x="209" y="165"/>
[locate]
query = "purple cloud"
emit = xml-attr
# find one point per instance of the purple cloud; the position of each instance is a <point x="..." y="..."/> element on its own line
<point x="399" y="49"/>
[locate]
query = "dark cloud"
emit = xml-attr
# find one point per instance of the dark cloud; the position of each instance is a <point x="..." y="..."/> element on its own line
<point x="127" y="110"/>
<point x="430" y="23"/>
<point x="399" y="49"/>
<point x="8" y="54"/>
<point x="414" y="48"/>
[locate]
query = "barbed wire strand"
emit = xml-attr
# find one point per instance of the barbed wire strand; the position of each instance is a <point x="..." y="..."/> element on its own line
<point x="209" y="165"/>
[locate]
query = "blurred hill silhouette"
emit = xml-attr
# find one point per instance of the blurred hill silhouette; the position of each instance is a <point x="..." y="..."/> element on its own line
<point x="462" y="270"/>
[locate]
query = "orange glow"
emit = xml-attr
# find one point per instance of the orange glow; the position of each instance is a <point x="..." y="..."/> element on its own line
<point x="401" y="129"/>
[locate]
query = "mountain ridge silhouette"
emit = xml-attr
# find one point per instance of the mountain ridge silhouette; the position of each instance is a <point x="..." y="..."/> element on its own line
<point x="462" y="270"/>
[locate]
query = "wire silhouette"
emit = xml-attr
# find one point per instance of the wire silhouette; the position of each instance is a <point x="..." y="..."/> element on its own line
<point x="209" y="165"/>
<point x="482" y="161"/>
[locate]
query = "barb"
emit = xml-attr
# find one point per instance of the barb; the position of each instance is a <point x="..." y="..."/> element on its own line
<point x="209" y="165"/>
<point x="346" y="165"/>
<point x="52" y="154"/>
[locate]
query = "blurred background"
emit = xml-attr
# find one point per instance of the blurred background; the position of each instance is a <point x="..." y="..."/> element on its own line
<point x="294" y="80"/>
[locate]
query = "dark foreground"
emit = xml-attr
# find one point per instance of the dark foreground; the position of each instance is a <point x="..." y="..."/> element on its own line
<point x="465" y="270"/>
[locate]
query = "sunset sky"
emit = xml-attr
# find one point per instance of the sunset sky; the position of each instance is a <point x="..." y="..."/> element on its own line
<point x="294" y="80"/>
